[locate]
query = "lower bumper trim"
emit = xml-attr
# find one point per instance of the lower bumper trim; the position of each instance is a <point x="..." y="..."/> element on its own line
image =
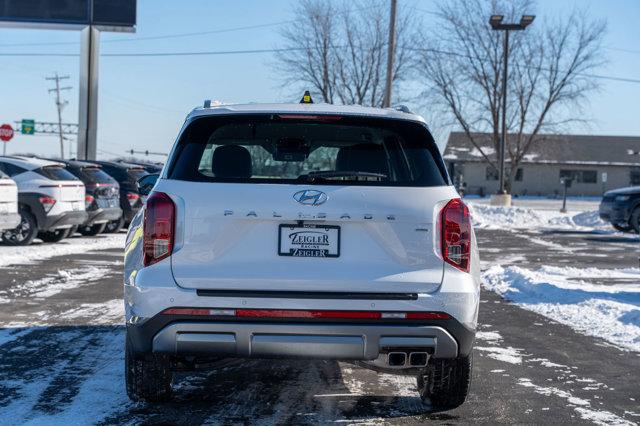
<point x="325" y="341"/>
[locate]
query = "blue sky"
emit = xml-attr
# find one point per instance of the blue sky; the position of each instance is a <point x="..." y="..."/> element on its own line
<point x="143" y="100"/>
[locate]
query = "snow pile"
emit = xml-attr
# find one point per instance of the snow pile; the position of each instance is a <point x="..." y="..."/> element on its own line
<point x="611" y="312"/>
<point x="22" y="255"/>
<point x="498" y="217"/>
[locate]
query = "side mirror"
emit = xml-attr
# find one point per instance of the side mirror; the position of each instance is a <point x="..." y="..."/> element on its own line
<point x="146" y="183"/>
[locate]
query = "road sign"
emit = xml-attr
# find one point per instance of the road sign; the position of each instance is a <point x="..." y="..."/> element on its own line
<point x="28" y="126"/>
<point x="6" y="132"/>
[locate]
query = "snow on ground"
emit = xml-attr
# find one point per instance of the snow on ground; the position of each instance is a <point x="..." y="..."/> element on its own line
<point x="39" y="251"/>
<point x="497" y="217"/>
<point x="55" y="283"/>
<point x="611" y="312"/>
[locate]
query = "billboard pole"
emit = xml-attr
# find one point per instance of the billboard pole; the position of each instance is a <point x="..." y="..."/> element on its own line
<point x="88" y="109"/>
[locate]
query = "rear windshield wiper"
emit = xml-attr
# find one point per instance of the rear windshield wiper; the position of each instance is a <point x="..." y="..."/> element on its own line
<point x="319" y="175"/>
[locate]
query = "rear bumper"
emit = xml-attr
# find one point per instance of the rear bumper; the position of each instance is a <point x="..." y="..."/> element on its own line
<point x="614" y="213"/>
<point x="366" y="341"/>
<point x="9" y="220"/>
<point x="103" y="215"/>
<point x="64" y="220"/>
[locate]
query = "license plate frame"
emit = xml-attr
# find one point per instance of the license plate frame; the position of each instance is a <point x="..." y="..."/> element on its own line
<point x="310" y="249"/>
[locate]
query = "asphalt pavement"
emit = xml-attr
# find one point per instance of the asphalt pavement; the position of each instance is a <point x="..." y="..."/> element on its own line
<point x="61" y="356"/>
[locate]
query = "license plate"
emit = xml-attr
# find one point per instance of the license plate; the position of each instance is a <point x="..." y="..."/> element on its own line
<point x="309" y="240"/>
<point x="75" y="206"/>
<point x="107" y="202"/>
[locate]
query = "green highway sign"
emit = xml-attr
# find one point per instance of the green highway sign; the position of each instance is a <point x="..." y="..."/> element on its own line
<point x="28" y="126"/>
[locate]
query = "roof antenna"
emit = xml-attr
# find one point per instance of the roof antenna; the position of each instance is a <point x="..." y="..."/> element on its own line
<point x="306" y="98"/>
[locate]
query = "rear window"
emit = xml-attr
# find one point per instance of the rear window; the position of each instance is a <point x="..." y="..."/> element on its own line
<point x="137" y="173"/>
<point x="96" y="174"/>
<point x="308" y="149"/>
<point x="55" y="173"/>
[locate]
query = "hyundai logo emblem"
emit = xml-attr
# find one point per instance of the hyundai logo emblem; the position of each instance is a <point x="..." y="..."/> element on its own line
<point x="310" y="197"/>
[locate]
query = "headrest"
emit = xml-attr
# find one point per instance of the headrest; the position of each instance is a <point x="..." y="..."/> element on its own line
<point x="231" y="161"/>
<point x="365" y="157"/>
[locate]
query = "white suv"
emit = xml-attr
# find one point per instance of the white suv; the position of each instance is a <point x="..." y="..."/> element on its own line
<point x="51" y="200"/>
<point x="303" y="231"/>
<point x="9" y="217"/>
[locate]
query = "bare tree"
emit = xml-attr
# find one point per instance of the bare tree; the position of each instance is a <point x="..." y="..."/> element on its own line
<point x="339" y="50"/>
<point x="550" y="73"/>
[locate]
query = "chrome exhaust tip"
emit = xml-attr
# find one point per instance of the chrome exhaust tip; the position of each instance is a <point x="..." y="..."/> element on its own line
<point x="418" y="359"/>
<point x="396" y="359"/>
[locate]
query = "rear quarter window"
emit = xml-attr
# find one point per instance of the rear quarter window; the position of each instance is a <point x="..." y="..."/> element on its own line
<point x="339" y="150"/>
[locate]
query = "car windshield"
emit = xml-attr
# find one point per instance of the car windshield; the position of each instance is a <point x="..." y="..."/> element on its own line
<point x="55" y="173"/>
<point x="303" y="149"/>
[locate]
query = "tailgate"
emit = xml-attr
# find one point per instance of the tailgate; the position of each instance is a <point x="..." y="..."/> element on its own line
<point x="379" y="239"/>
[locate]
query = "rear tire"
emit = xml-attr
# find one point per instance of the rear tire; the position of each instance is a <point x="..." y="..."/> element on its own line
<point x="90" y="231"/>
<point x="114" y="226"/>
<point x="24" y="233"/>
<point x="147" y="378"/>
<point x="635" y="220"/>
<point x="445" y="382"/>
<point x="53" y="236"/>
<point x="621" y="228"/>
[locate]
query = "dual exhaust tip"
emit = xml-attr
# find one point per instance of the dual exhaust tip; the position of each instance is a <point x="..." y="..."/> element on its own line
<point x="410" y="359"/>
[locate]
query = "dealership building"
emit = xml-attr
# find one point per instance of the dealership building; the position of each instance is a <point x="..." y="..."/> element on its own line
<point x="594" y="164"/>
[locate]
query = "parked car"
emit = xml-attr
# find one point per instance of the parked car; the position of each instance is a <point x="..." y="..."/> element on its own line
<point x="127" y="176"/>
<point x="149" y="167"/>
<point x="50" y="199"/>
<point x="9" y="216"/>
<point x="621" y="207"/>
<point x="303" y="231"/>
<point x="102" y="199"/>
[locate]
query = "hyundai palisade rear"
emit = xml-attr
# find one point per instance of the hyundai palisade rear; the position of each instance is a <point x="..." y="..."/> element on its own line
<point x="303" y="231"/>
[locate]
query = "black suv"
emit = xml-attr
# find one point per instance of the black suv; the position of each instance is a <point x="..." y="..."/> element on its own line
<point x="127" y="176"/>
<point x="102" y="199"/>
<point x="621" y="207"/>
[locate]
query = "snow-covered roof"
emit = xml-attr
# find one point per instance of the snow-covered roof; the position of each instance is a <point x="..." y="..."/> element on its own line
<point x="297" y="108"/>
<point x="29" y="163"/>
<point x="554" y="149"/>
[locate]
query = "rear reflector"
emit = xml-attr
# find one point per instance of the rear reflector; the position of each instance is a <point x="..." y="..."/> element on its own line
<point x="282" y="313"/>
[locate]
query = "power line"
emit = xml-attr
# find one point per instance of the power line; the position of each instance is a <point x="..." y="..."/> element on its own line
<point x="261" y="51"/>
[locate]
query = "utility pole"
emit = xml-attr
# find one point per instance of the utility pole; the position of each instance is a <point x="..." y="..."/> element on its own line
<point x="60" y="104"/>
<point x="390" y="54"/>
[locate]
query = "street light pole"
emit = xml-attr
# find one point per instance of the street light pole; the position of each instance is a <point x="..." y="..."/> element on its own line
<point x="503" y="136"/>
<point x="496" y="23"/>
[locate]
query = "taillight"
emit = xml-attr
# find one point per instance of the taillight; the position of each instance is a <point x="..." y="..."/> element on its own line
<point x="455" y="234"/>
<point x="159" y="225"/>
<point x="88" y="200"/>
<point x="133" y="198"/>
<point x="47" y="203"/>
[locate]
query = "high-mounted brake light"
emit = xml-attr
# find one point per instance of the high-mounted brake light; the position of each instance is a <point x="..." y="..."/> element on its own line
<point x="455" y="234"/>
<point x="158" y="228"/>
<point x="47" y="203"/>
<point x="133" y="198"/>
<point x="310" y="117"/>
